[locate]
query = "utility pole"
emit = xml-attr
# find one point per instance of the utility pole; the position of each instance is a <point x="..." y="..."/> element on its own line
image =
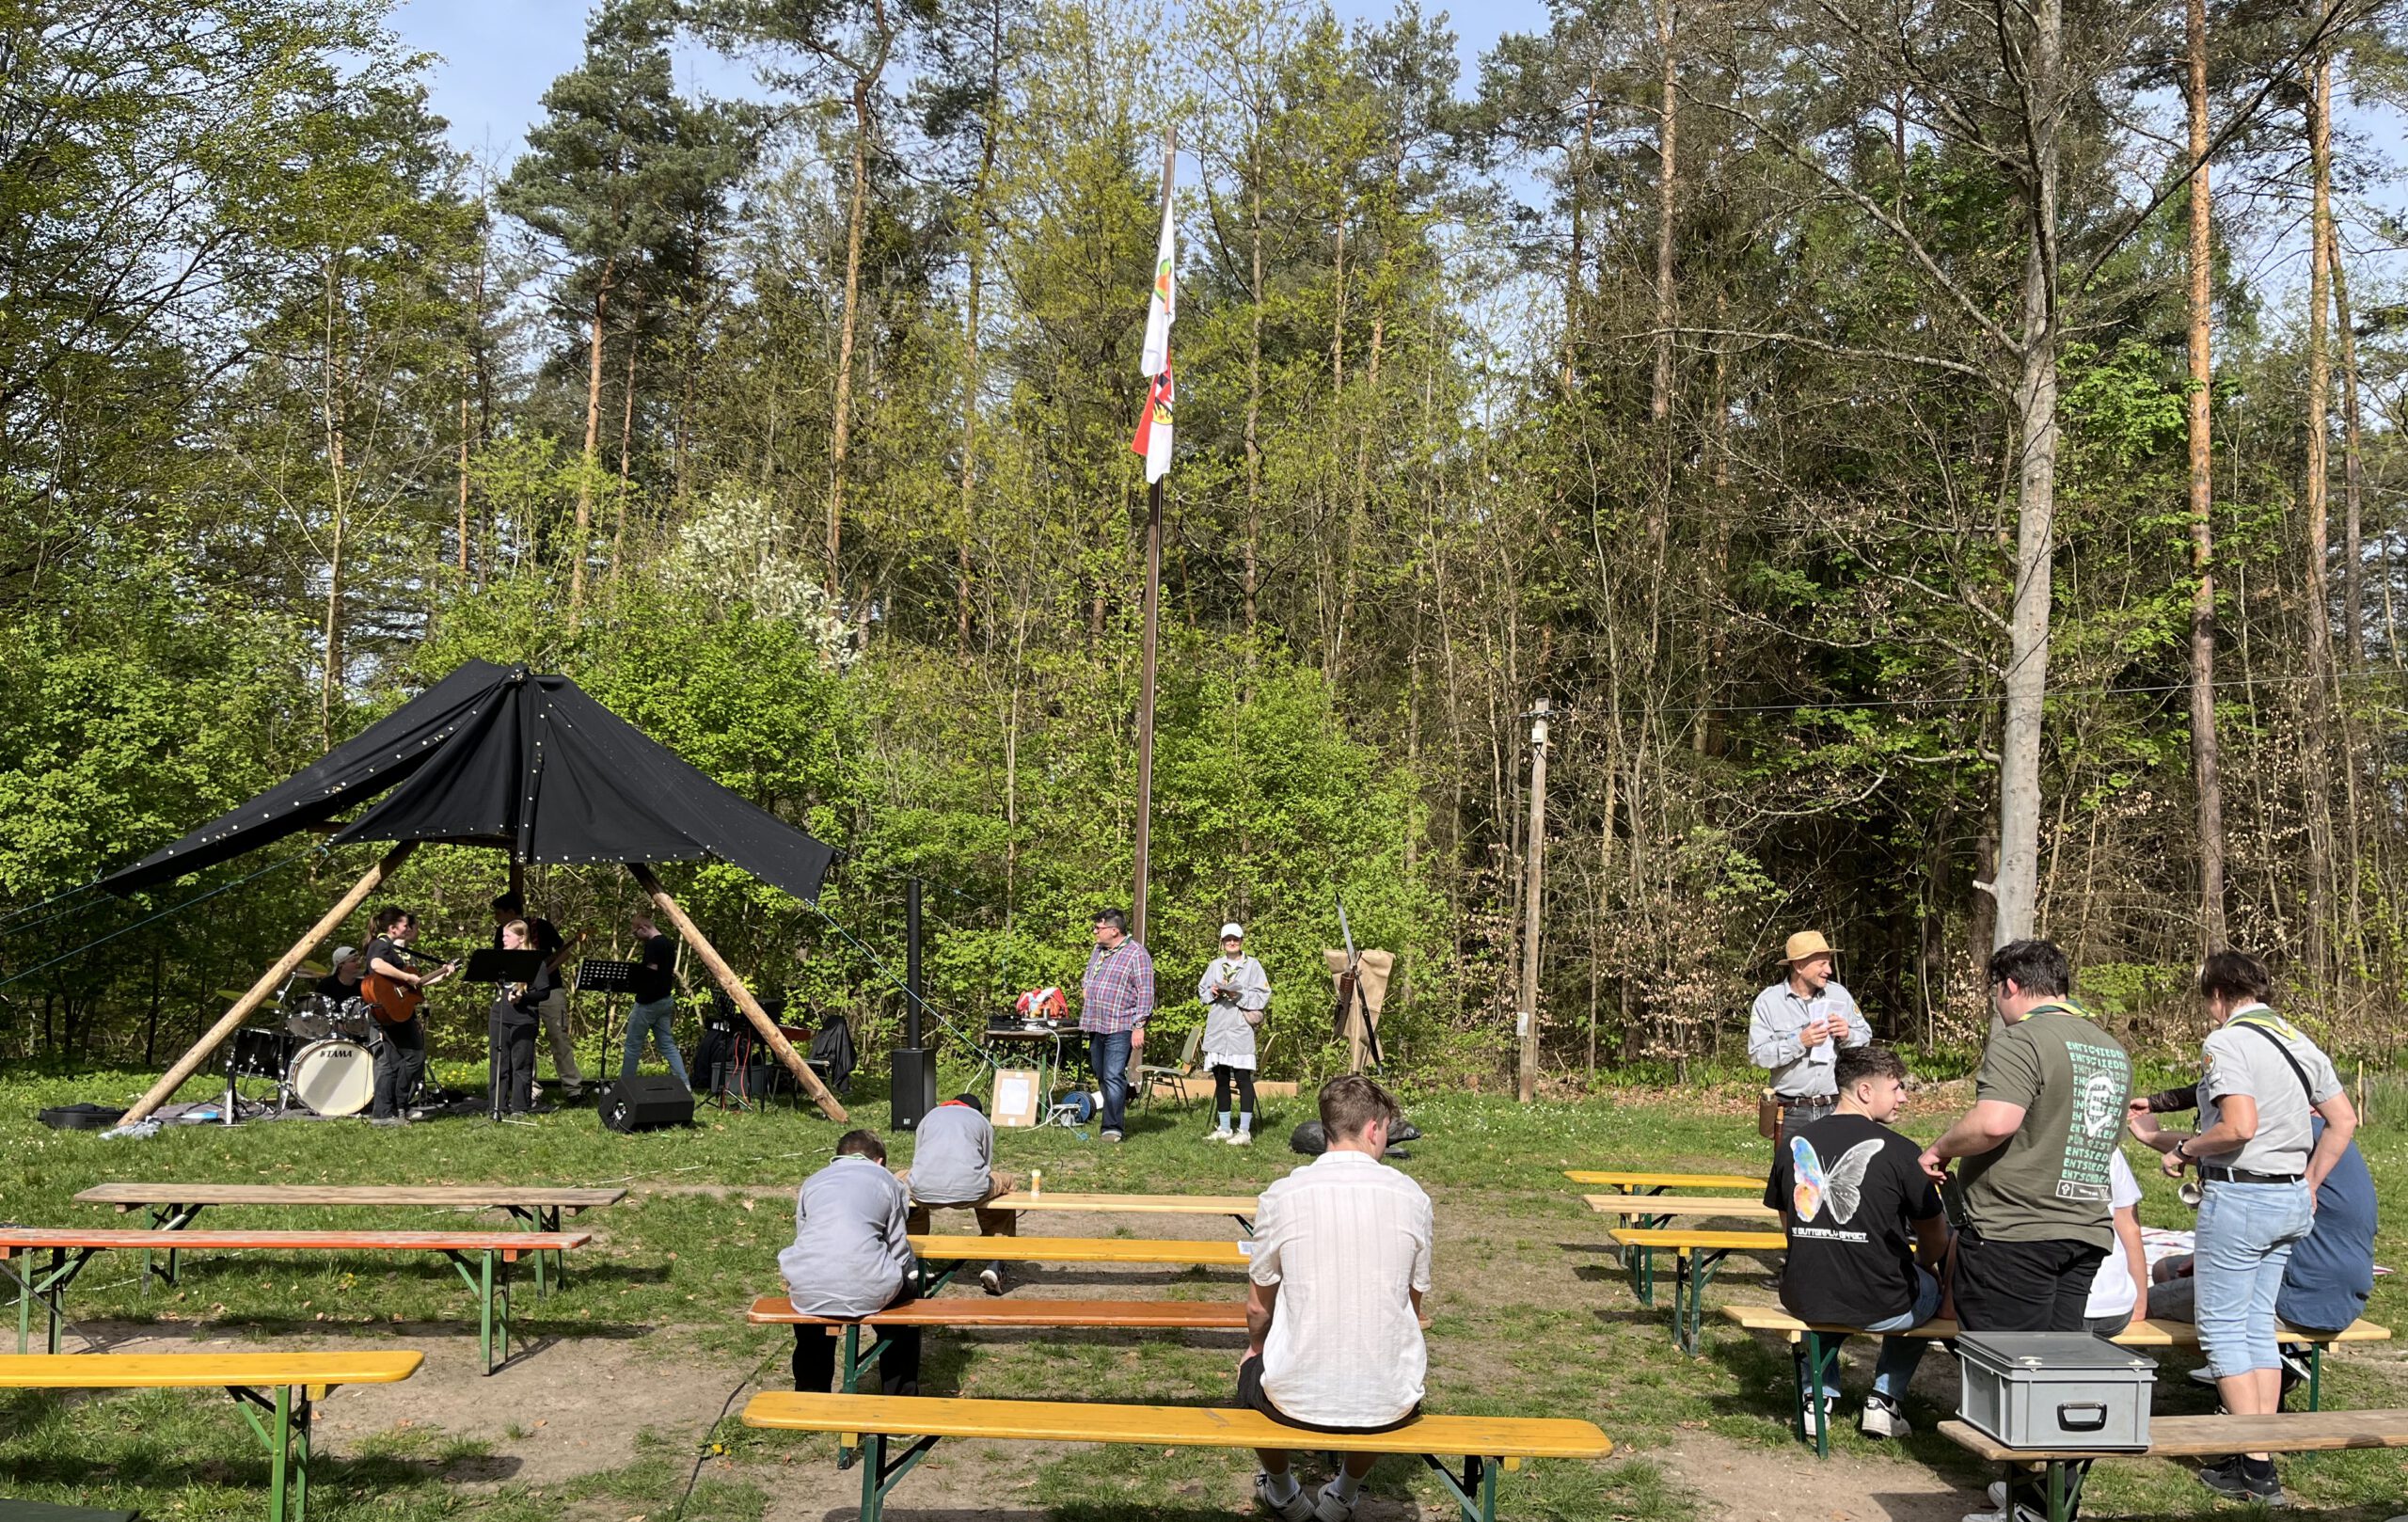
<point x="1525" y="1020"/>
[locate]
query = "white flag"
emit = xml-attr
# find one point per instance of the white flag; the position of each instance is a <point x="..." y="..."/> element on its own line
<point x="1163" y="303"/>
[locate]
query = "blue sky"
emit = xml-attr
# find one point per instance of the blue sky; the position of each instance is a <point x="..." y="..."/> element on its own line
<point x="499" y="56"/>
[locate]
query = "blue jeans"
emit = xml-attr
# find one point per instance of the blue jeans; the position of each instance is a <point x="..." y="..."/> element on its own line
<point x="660" y="1017"/>
<point x="1895" y="1370"/>
<point x="2244" y="1240"/>
<point x="1108" y="1054"/>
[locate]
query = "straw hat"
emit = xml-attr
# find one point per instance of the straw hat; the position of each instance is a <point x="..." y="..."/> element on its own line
<point x="1803" y="944"/>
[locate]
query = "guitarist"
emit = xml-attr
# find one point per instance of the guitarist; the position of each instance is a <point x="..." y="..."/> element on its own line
<point x="394" y="992"/>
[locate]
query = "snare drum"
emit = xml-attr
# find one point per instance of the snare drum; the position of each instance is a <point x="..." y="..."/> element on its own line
<point x="336" y="1076"/>
<point x="261" y="1054"/>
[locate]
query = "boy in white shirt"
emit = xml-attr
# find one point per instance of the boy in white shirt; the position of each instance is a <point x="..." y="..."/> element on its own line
<point x="1333" y="1310"/>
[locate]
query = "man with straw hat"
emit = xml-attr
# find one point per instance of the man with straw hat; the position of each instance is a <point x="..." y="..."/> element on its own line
<point x="1796" y="1030"/>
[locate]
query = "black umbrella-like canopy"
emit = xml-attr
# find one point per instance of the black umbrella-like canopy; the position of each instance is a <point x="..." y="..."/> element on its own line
<point x="503" y="756"/>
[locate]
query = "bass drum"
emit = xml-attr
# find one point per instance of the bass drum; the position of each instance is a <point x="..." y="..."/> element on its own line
<point x="336" y="1076"/>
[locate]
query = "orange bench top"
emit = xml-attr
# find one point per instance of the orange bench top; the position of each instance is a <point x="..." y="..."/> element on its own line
<point x="127" y="1196"/>
<point x="986" y="1310"/>
<point x="32" y="1239"/>
<point x="201" y="1370"/>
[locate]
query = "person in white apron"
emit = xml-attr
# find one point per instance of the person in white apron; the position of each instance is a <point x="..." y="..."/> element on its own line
<point x="1236" y="996"/>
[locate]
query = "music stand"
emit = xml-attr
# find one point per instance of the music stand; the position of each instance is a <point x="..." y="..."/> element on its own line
<point x="606" y="974"/>
<point x="494" y="965"/>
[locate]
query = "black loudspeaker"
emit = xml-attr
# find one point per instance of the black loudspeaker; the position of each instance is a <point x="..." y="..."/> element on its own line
<point x="646" y="1101"/>
<point x="912" y="1090"/>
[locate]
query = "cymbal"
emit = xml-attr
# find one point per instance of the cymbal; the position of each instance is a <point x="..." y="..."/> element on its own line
<point x="313" y="968"/>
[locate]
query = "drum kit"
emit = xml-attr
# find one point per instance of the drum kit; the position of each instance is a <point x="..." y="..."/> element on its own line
<point x="322" y="1061"/>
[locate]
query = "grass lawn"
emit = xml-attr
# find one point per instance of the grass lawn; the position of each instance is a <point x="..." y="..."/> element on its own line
<point x="610" y="1413"/>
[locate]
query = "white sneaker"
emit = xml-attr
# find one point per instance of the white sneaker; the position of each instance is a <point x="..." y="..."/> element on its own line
<point x="1219" y="1133"/>
<point x="1883" y="1419"/>
<point x="1328" y="1506"/>
<point x="990" y="1280"/>
<point x="1297" y="1508"/>
<point x="1241" y="1138"/>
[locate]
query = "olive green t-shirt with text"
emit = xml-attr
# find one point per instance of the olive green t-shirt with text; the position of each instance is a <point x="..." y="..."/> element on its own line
<point x="2049" y="1182"/>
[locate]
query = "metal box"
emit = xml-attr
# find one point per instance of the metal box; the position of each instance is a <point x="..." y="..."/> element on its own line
<point x="2055" y="1390"/>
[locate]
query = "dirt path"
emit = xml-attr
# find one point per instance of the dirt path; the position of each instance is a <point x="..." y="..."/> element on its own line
<point x="1746" y="1483"/>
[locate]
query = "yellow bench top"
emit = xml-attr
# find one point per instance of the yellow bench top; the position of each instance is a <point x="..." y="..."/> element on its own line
<point x="198" y="1371"/>
<point x="1019" y="1199"/>
<point x="2140" y="1334"/>
<point x="1613" y="1180"/>
<point x="1680" y="1205"/>
<point x="1167" y="1426"/>
<point x="1686" y="1238"/>
<point x="2283" y="1431"/>
<point x="953" y="1247"/>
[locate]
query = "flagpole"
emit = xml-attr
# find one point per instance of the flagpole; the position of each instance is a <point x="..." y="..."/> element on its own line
<point x="1153" y="619"/>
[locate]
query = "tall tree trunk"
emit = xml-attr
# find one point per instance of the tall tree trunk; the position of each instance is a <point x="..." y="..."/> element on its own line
<point x="2206" y="775"/>
<point x="464" y="483"/>
<point x="1254" y="405"/>
<point x="330" y="678"/>
<point x="841" y="431"/>
<point x="841" y="434"/>
<point x="2316" y="621"/>
<point x="1659" y="407"/>
<point x="592" y="446"/>
<point x="2353" y="593"/>
<point x="973" y="378"/>
<point x="2015" y="887"/>
<point x="627" y="447"/>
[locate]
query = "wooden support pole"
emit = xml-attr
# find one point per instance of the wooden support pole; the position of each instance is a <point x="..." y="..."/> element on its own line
<point x="190" y="1062"/>
<point x="1534" y="857"/>
<point x="727" y="979"/>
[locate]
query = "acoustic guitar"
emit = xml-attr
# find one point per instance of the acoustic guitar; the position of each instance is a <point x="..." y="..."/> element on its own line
<point x="397" y="1004"/>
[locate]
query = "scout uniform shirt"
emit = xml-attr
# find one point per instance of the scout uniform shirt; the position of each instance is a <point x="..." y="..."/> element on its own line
<point x="2051" y="1181"/>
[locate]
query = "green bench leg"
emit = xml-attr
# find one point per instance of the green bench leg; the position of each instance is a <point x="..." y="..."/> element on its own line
<point x="2315" y="1375"/>
<point x="491" y="1291"/>
<point x="1642" y="1274"/>
<point x="49" y="1287"/>
<point x="879" y="1478"/>
<point x="287" y="1446"/>
<point x="1474" y="1493"/>
<point x="1815" y="1355"/>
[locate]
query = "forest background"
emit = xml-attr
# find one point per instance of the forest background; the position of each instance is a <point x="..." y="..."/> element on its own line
<point x="1941" y="463"/>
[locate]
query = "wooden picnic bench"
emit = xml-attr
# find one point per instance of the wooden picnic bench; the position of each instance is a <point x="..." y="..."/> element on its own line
<point x="959" y="1249"/>
<point x="1240" y="1207"/>
<point x="286" y="1386"/>
<point x="1484" y="1444"/>
<point x="1697" y="1252"/>
<point x="2175" y="1437"/>
<point x="1815" y="1347"/>
<point x="174" y="1205"/>
<point x="71" y="1250"/>
<point x="1656" y="1184"/>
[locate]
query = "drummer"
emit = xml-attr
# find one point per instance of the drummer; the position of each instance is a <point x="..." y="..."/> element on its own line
<point x="343" y="984"/>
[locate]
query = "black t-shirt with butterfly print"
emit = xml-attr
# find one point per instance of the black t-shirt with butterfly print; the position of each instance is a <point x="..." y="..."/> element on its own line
<point x="1849" y="1192"/>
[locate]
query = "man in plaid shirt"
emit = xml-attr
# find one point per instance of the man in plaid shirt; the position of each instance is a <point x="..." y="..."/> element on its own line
<point x="1114" y="1006"/>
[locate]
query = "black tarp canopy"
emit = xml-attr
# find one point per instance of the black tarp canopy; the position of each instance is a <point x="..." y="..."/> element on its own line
<point x="510" y="758"/>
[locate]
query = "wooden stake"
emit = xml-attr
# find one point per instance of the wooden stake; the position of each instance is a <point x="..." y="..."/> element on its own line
<point x="190" y="1062"/>
<point x="1527" y="1082"/>
<point x="726" y="977"/>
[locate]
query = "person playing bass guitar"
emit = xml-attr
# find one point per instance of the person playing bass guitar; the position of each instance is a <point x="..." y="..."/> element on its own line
<point x="394" y="992"/>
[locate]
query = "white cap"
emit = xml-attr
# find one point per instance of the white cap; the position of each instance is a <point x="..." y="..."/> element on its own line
<point x="1233" y="931"/>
